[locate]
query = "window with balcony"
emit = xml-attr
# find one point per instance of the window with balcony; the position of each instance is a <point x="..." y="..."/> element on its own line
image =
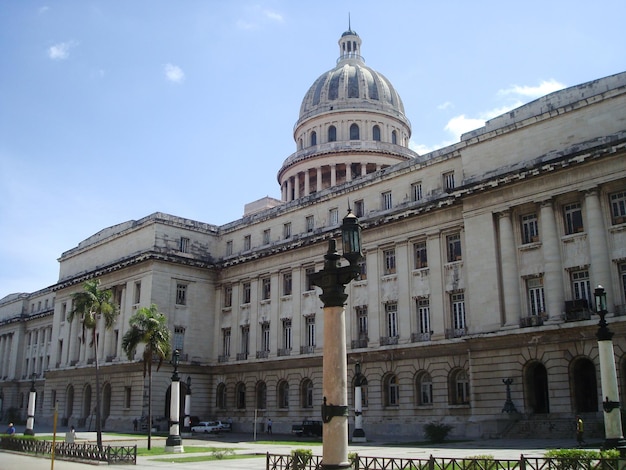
<point x="179" y="338"/>
<point x="181" y="294"/>
<point x="265" y="336"/>
<point x="535" y="294"/>
<point x="423" y="315"/>
<point x="266" y="285"/>
<point x="453" y="243"/>
<point x="389" y="261"/>
<point x="573" y="218"/>
<point x="226" y="342"/>
<point x="457" y="302"/>
<point x="581" y="287"/>
<point x="618" y="207"/>
<point x="391" y="316"/>
<point x="420" y="257"/>
<point x="287" y="338"/>
<point x="530" y="228"/>
<point x="287" y="283"/>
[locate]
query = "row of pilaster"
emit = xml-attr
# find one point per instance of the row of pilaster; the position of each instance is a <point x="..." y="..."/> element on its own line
<point x="6" y="353"/>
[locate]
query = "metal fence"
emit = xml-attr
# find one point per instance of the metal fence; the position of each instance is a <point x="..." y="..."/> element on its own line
<point x="73" y="451"/>
<point x="287" y="462"/>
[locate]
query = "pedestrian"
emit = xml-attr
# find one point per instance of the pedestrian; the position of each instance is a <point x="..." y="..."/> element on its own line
<point x="11" y="430"/>
<point x="580" y="428"/>
<point x="269" y="426"/>
<point x="135" y="423"/>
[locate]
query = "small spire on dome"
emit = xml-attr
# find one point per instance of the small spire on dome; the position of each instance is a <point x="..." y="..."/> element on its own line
<point x="349" y="44"/>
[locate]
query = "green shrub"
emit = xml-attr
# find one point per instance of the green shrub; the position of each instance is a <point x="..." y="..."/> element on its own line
<point x="221" y="453"/>
<point x="301" y="458"/>
<point x="568" y="459"/>
<point x="479" y="462"/>
<point x="437" y="432"/>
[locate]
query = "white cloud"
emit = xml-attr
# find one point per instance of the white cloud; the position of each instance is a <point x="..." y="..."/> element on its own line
<point x="446" y="105"/>
<point x="545" y="87"/>
<point x="460" y="124"/>
<point x="61" y="51"/>
<point x="274" y="16"/>
<point x="174" y="73"/>
<point x="256" y="17"/>
<point x="43" y="10"/>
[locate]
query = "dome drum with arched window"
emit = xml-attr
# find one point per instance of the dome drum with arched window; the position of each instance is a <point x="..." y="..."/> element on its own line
<point x="351" y="123"/>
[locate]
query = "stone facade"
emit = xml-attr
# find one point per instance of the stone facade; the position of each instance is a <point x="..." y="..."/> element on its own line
<point x="480" y="264"/>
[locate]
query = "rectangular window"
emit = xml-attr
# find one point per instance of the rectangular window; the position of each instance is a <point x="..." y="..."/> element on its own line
<point x="137" y="297"/>
<point x="423" y="315"/>
<point x="287" y="283"/>
<point x="386" y="202"/>
<point x="416" y="191"/>
<point x="454" y="247"/>
<point x="181" y="294"/>
<point x="287" y="230"/>
<point x="458" y="311"/>
<point x="419" y="255"/>
<point x="307" y="279"/>
<point x="391" y="313"/>
<point x="618" y="207"/>
<point x="581" y="287"/>
<point x="362" y="264"/>
<point x="226" y="342"/>
<point x="310" y="223"/>
<point x="361" y="319"/>
<point x="229" y="247"/>
<point x="246" y="293"/>
<point x="228" y="296"/>
<point x="287" y="334"/>
<point x="179" y="338"/>
<point x="530" y="228"/>
<point x="536" y="298"/>
<point x="247" y="242"/>
<point x="448" y="180"/>
<point x="184" y="245"/>
<point x="389" y="261"/>
<point x="265" y="337"/>
<point x="333" y="217"/>
<point x="267" y="288"/>
<point x="63" y="311"/>
<point x="573" y="218"/>
<point x="310" y="330"/>
<point x="127" y="396"/>
<point x="359" y="208"/>
<point x="245" y="341"/>
<point x="266" y="236"/>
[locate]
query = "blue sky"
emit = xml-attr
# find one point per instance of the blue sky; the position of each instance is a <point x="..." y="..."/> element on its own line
<point x="113" y="110"/>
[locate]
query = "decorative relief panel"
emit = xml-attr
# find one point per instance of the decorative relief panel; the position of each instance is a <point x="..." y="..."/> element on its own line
<point x="389" y="288"/>
<point x="359" y="295"/>
<point x="531" y="261"/>
<point x="311" y="302"/>
<point x="420" y="283"/>
<point x="575" y="251"/>
<point x="454" y="276"/>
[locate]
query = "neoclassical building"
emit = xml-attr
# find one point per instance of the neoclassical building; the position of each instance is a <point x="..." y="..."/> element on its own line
<point x="480" y="263"/>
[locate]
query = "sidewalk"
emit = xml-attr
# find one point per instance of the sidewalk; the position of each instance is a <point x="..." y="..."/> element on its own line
<point x="243" y="443"/>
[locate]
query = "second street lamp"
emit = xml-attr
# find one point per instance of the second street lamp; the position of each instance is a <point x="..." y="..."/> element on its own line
<point x="332" y="279"/>
<point x="174" y="443"/>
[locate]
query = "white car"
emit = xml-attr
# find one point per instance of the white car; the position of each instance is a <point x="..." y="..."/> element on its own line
<point x="207" y="427"/>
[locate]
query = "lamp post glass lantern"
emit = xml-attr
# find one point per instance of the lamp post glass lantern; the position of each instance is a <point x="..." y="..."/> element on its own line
<point x="174" y="443"/>
<point x="332" y="280"/>
<point x="608" y="377"/>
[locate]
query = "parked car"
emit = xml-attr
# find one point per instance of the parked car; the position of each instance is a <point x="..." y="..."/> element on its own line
<point x="307" y="428"/>
<point x="224" y="426"/>
<point x="206" y="427"/>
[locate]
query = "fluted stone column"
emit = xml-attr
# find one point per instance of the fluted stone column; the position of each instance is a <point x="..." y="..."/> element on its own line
<point x="363" y="169"/>
<point x="333" y="175"/>
<point x="318" y="179"/>
<point x="598" y="246"/>
<point x="307" y="184"/>
<point x="289" y="186"/>
<point x="510" y="276"/>
<point x="348" y="172"/>
<point x="551" y="250"/>
<point x="296" y="186"/>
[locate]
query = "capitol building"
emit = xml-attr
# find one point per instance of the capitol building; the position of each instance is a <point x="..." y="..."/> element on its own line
<point x="481" y="259"/>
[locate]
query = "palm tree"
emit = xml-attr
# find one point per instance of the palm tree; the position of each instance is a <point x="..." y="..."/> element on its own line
<point x="148" y="326"/>
<point x="91" y="305"/>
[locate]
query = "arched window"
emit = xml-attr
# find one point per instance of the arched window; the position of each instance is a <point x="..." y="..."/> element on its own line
<point x="536" y="386"/>
<point x="283" y="394"/>
<point x="354" y="132"/>
<point x="313" y="138"/>
<point x="220" y="401"/>
<point x="394" y="137"/>
<point x="86" y="404"/>
<point x="423" y="389"/>
<point x="261" y="396"/>
<point x="300" y="145"/>
<point x="391" y="390"/>
<point x="583" y="378"/>
<point x="106" y="400"/>
<point x="458" y="387"/>
<point x="376" y="133"/>
<point x="240" y="395"/>
<point x="306" y="394"/>
<point x="332" y="134"/>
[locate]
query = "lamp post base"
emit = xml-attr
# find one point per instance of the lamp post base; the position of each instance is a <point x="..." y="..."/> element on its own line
<point x="358" y="435"/>
<point x="29" y="432"/>
<point x="615" y="443"/>
<point x="174" y="445"/>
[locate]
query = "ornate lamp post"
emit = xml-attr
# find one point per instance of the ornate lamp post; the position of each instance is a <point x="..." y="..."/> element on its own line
<point x="358" y="435"/>
<point x="187" y="420"/>
<point x="32" y="396"/>
<point x="174" y="443"/>
<point x="608" y="377"/>
<point x="509" y="406"/>
<point x="332" y="279"/>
